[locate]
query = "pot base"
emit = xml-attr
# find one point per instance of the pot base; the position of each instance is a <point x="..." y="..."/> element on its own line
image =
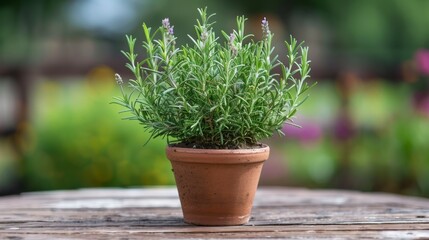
<point x="216" y="221"/>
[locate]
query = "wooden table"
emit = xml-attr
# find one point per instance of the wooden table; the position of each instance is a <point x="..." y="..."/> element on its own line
<point x="154" y="213"/>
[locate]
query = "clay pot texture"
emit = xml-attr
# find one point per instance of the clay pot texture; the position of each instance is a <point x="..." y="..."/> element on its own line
<point x="217" y="187"/>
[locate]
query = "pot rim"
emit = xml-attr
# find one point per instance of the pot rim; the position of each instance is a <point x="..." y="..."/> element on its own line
<point x="218" y="156"/>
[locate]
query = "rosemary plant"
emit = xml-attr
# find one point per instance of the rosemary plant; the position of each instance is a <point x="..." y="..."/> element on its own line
<point x="210" y="94"/>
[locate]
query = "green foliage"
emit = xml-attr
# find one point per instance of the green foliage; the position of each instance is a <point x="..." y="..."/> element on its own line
<point x="388" y="151"/>
<point x="77" y="141"/>
<point x="213" y="95"/>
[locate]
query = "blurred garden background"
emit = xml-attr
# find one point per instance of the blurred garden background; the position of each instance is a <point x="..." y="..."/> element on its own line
<point x="365" y="126"/>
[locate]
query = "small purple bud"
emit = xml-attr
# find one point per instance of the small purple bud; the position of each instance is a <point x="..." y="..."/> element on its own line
<point x="166" y="23"/>
<point x="231" y="38"/>
<point x="265" y="28"/>
<point x="232" y="45"/>
<point x="118" y="79"/>
<point x="264" y="21"/>
<point x="168" y="30"/>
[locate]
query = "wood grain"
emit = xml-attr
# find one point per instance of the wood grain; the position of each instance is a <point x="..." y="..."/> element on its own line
<point x="154" y="213"/>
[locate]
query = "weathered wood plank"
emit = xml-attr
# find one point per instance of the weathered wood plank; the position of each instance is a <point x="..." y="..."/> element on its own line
<point x="261" y="216"/>
<point x="364" y="231"/>
<point x="155" y="213"/>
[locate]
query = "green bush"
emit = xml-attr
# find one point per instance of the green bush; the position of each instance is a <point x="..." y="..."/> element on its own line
<point x="387" y="151"/>
<point x="210" y="94"/>
<point x="77" y="140"/>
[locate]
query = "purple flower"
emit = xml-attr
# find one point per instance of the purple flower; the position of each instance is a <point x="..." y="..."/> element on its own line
<point x="265" y="28"/>
<point x="166" y="23"/>
<point x="264" y="22"/>
<point x="118" y="79"/>
<point x="232" y="45"/>
<point x="168" y="30"/>
<point x="422" y="59"/>
<point x="231" y="38"/>
<point x="310" y="131"/>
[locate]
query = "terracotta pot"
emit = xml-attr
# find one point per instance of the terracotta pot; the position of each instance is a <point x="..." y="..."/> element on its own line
<point x="217" y="187"/>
